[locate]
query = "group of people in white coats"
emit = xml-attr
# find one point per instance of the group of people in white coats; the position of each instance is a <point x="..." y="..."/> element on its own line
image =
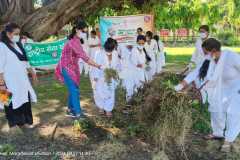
<point x="90" y="45"/>
<point x="217" y="74"/>
<point x="134" y="63"/>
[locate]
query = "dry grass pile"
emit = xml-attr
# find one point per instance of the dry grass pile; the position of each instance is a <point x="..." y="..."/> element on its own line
<point x="166" y="114"/>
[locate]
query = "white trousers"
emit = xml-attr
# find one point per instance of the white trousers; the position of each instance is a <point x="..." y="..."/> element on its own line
<point x="158" y="65"/>
<point x="128" y="84"/>
<point x="230" y="123"/>
<point x="104" y="95"/>
<point x="149" y="74"/>
<point x="139" y="78"/>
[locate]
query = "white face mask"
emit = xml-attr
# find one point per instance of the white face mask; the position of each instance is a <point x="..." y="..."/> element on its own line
<point x="108" y="54"/>
<point x="140" y="47"/>
<point x="15" y="38"/>
<point x="214" y="57"/>
<point x="82" y="35"/>
<point x="202" y="35"/>
<point x="208" y="56"/>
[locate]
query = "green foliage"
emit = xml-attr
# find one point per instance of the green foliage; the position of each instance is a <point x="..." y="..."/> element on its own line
<point x="180" y="14"/>
<point x="6" y="149"/>
<point x="82" y="125"/>
<point x="201" y="118"/>
<point x="134" y="129"/>
<point x="228" y="38"/>
<point x="126" y="9"/>
<point x="110" y="74"/>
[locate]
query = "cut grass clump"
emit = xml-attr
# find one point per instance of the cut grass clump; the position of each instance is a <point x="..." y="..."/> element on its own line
<point x="166" y="114"/>
<point x="110" y="74"/>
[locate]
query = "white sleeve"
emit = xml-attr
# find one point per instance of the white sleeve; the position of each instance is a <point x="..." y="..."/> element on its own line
<point x="192" y="76"/>
<point x="90" y="42"/>
<point x="3" y="58"/>
<point x="155" y="46"/>
<point x="27" y="64"/>
<point x="195" y="55"/>
<point x="236" y="61"/>
<point x="95" y="71"/>
<point x="134" y="57"/>
<point x="161" y="46"/>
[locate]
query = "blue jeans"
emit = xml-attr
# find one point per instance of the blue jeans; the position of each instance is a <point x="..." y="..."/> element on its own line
<point x="73" y="94"/>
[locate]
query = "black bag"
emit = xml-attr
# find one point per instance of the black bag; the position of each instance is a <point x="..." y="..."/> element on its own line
<point x="148" y="58"/>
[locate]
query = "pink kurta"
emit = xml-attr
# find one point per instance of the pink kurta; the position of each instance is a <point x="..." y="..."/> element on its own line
<point x="71" y="54"/>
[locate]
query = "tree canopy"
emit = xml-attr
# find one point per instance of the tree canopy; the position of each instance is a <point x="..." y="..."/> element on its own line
<point x="52" y="15"/>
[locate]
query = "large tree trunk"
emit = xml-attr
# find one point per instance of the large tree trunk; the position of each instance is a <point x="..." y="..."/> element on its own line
<point x="4" y="4"/>
<point x="17" y="10"/>
<point x="50" y="19"/>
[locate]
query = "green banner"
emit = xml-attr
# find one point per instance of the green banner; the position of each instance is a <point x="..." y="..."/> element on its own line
<point x="42" y="54"/>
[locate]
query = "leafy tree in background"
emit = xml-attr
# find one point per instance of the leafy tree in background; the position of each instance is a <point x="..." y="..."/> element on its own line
<point x="52" y="15"/>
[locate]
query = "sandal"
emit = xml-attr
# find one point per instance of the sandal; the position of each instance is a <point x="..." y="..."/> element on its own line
<point x="212" y="137"/>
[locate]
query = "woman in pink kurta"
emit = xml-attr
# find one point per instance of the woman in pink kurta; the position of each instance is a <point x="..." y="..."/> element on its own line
<point x="67" y="70"/>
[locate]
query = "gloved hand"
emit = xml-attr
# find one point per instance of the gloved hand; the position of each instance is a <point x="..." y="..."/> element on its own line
<point x="178" y="87"/>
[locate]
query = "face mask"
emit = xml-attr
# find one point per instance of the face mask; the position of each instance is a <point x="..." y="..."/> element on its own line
<point x="208" y="57"/>
<point x="108" y="54"/>
<point x="15" y="39"/>
<point x="24" y="41"/>
<point x="82" y="35"/>
<point x="203" y="35"/>
<point x="214" y="57"/>
<point x="140" y="47"/>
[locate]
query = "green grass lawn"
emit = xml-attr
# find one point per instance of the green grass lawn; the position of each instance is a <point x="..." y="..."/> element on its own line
<point x="179" y="57"/>
<point x="190" y="50"/>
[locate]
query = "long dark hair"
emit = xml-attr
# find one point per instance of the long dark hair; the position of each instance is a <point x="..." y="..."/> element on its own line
<point x="204" y="69"/>
<point x="142" y="37"/>
<point x="156" y="37"/>
<point x="8" y="28"/>
<point x="78" y="25"/>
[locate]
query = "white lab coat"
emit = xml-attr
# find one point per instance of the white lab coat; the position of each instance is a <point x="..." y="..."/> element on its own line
<point x="104" y="94"/>
<point x="93" y="41"/>
<point x="127" y="71"/>
<point x="151" y="51"/>
<point x="138" y="57"/>
<point x="198" y="55"/>
<point x="16" y="76"/>
<point x="160" y="57"/>
<point x="83" y="65"/>
<point x="225" y="81"/>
